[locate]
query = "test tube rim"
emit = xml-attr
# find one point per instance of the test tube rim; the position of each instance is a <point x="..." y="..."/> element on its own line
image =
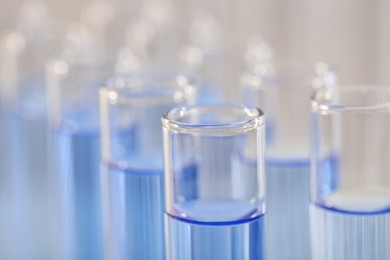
<point x="301" y="74"/>
<point x="240" y="126"/>
<point x="321" y="99"/>
<point x="179" y="88"/>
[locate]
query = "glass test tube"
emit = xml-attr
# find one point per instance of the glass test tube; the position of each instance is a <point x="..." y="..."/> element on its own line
<point x="350" y="213"/>
<point x="214" y="182"/>
<point x="283" y="90"/>
<point x="131" y="108"/>
<point x="72" y="88"/>
<point x="23" y="166"/>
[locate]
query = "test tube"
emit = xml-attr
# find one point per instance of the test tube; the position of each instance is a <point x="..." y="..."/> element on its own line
<point x="350" y="148"/>
<point x="74" y="79"/>
<point x="23" y="54"/>
<point x="24" y="175"/>
<point x="283" y="90"/>
<point x="131" y="108"/>
<point x="214" y="182"/>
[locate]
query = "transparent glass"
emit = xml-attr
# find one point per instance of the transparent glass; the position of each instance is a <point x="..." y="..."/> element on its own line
<point x="132" y="151"/>
<point x="214" y="182"/>
<point x="283" y="89"/>
<point x="73" y="81"/>
<point x="350" y="172"/>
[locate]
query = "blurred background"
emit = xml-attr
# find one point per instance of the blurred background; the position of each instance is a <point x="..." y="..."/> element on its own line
<point x="210" y="38"/>
<point x="352" y="33"/>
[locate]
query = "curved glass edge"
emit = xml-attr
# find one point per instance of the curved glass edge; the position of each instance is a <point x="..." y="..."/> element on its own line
<point x="256" y="119"/>
<point x="294" y="162"/>
<point x="134" y="169"/>
<point x="316" y="74"/>
<point x="322" y="97"/>
<point x="338" y="210"/>
<point x="176" y="88"/>
<point x="217" y="223"/>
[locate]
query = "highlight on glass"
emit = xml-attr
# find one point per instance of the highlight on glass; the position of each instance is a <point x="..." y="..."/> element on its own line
<point x="283" y="90"/>
<point x="214" y="182"/>
<point x="132" y="152"/>
<point x="350" y="147"/>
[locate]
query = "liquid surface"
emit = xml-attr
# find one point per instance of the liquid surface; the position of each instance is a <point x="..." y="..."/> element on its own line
<point x="367" y="199"/>
<point x="209" y="242"/>
<point x="216" y="210"/>
<point x="343" y="236"/>
<point x="287" y="217"/>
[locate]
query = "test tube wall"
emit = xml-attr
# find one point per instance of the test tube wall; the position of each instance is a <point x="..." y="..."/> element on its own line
<point x="283" y="90"/>
<point x="131" y="108"/>
<point x="73" y="85"/>
<point x="24" y="173"/>
<point x="350" y="205"/>
<point x="214" y="182"/>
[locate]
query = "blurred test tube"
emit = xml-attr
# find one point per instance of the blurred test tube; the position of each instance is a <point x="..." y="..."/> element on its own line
<point x="74" y="78"/>
<point x="350" y="180"/>
<point x="283" y="89"/>
<point x="24" y="51"/>
<point x="131" y="108"/>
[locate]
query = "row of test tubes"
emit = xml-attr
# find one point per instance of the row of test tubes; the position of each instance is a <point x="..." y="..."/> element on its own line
<point x="125" y="156"/>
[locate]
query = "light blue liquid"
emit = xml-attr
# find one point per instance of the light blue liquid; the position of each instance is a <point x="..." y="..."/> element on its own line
<point x="203" y="241"/>
<point x="25" y="177"/>
<point x="215" y="212"/>
<point x="136" y="199"/>
<point x="3" y="151"/>
<point x="27" y="182"/>
<point x="5" y="193"/>
<point x="76" y="166"/>
<point x="344" y="236"/>
<point x="287" y="218"/>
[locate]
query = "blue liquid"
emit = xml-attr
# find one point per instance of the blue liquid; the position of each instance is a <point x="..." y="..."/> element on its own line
<point x="25" y="212"/>
<point x="287" y="218"/>
<point x="136" y="199"/>
<point x="27" y="184"/>
<point x="77" y="171"/>
<point x="5" y="193"/>
<point x="228" y="241"/>
<point x="3" y="151"/>
<point x="346" y="236"/>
